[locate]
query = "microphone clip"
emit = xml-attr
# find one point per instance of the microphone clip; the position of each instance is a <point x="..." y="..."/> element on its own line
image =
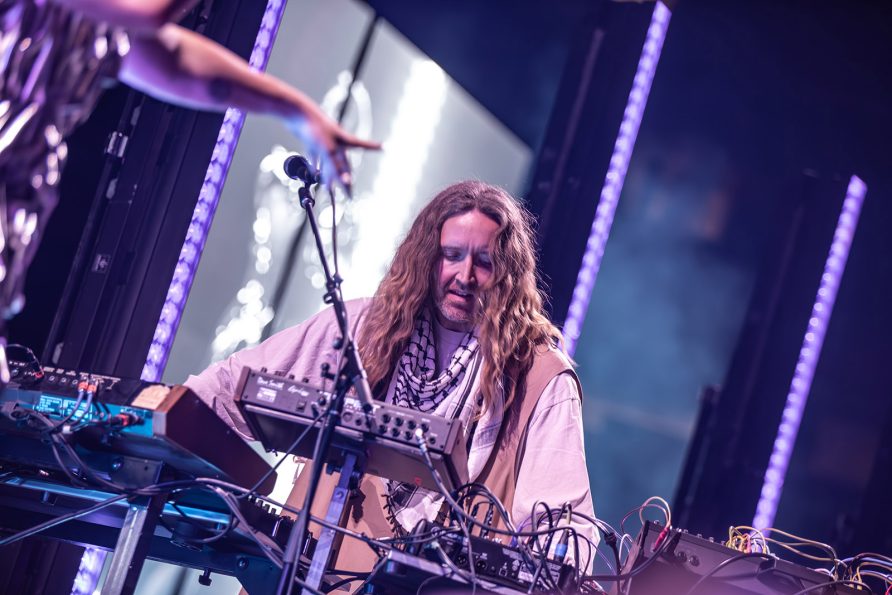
<point x="297" y="167"/>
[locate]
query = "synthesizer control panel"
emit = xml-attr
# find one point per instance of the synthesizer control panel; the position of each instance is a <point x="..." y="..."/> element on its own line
<point x="102" y="414"/>
<point x="278" y="409"/>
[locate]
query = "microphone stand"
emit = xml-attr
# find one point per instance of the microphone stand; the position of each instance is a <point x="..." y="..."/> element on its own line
<point x="351" y="375"/>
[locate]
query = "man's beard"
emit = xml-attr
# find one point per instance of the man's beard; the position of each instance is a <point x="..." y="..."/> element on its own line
<point x="454" y="314"/>
<point x="457" y="315"/>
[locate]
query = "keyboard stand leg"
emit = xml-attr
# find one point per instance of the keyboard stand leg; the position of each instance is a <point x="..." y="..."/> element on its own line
<point x="335" y="513"/>
<point x="133" y="544"/>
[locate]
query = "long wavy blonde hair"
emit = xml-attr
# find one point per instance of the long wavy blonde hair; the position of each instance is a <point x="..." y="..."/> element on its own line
<point x="511" y="322"/>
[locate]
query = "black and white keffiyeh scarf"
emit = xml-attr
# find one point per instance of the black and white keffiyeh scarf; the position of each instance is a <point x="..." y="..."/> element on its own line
<point x="418" y="386"/>
<point x="454" y="392"/>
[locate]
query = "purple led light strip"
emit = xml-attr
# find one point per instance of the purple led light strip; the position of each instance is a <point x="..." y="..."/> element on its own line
<point x="93" y="559"/>
<point x="208" y="198"/>
<point x="773" y="485"/>
<point x="616" y="175"/>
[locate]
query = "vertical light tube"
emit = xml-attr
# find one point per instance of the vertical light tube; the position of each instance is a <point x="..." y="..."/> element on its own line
<point x="616" y="174"/>
<point x="773" y="484"/>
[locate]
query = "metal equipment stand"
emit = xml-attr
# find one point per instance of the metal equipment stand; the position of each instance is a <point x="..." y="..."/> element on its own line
<point x="133" y="544"/>
<point x="351" y="375"/>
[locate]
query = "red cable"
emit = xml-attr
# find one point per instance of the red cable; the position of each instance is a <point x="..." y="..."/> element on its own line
<point x="661" y="537"/>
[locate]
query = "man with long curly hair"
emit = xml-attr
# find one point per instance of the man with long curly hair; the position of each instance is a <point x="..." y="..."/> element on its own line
<point x="457" y="329"/>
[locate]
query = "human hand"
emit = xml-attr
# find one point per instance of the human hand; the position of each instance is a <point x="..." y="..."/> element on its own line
<point x="327" y="144"/>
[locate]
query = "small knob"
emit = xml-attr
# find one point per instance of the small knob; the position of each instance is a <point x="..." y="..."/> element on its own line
<point x="205" y="578"/>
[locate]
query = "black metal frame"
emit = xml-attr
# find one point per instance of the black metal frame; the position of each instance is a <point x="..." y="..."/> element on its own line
<point x="725" y="466"/>
<point x="571" y="165"/>
<point x="114" y="294"/>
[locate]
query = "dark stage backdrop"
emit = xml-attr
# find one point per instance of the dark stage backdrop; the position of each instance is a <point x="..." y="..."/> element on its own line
<point x="746" y="97"/>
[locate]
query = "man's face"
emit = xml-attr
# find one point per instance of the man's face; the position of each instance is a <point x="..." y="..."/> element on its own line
<point x="463" y="268"/>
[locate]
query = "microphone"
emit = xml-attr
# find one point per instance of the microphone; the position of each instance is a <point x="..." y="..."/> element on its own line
<point x="298" y="168"/>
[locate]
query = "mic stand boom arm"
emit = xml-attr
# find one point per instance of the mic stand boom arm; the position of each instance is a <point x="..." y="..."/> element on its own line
<point x="352" y="374"/>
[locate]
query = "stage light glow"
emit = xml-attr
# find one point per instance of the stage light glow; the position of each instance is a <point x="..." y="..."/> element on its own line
<point x="812" y="342"/>
<point x="384" y="212"/>
<point x="616" y="174"/>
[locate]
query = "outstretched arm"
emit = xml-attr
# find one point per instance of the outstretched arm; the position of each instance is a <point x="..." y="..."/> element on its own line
<point x="185" y="68"/>
<point x="174" y="64"/>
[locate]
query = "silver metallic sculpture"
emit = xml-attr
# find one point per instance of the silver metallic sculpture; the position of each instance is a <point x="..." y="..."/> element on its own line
<point x="52" y="63"/>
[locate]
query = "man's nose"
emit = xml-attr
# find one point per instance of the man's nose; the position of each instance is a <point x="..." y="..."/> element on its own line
<point x="465" y="274"/>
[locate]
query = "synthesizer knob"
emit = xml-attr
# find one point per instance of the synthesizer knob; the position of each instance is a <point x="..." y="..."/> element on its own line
<point x="411" y="424"/>
<point x="425" y="427"/>
<point x="395" y="432"/>
<point x="386" y="418"/>
<point x="398" y="421"/>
